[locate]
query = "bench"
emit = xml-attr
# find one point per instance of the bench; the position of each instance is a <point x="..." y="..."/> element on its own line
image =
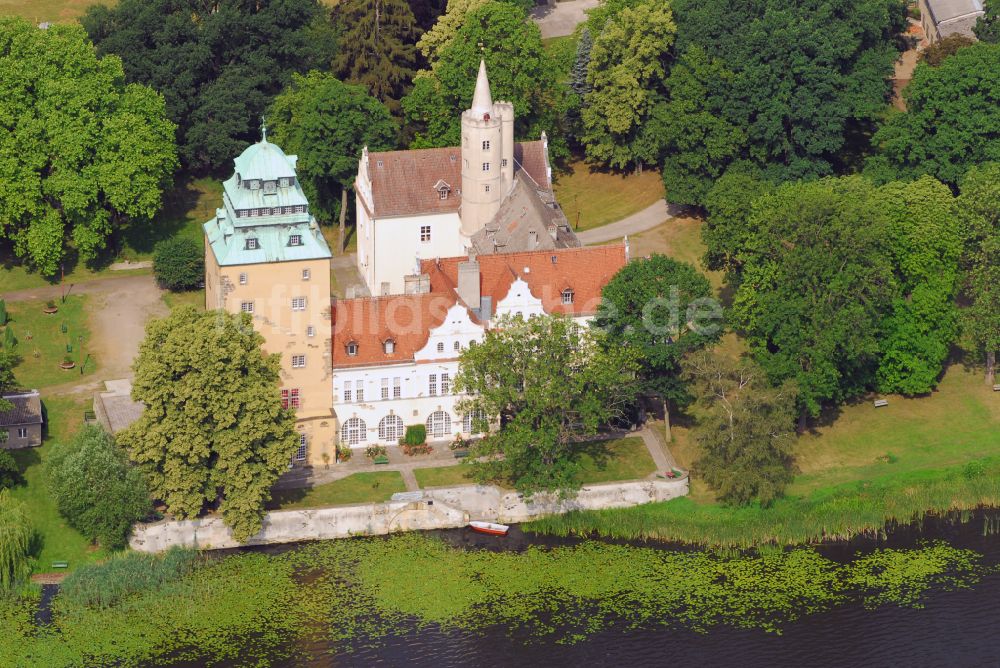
<point x="89" y="416"/>
<point x="879" y="403"/>
<point x="460" y="454"/>
<point x="381" y="459"/>
<point x="996" y="388"/>
<point x="60" y="564"/>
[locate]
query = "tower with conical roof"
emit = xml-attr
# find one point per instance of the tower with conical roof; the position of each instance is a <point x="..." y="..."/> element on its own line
<point x="265" y="256"/>
<point x="487" y="156"/>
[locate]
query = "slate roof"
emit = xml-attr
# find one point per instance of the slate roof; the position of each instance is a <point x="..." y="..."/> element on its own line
<point x="585" y="271"/>
<point x="27" y="409"/>
<point x="403" y="181"/>
<point x="370" y="321"/>
<point x="529" y="219"/>
<point x="955" y="16"/>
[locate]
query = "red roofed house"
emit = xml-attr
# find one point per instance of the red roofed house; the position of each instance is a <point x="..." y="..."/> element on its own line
<point x="395" y="357"/>
<point x="489" y="195"/>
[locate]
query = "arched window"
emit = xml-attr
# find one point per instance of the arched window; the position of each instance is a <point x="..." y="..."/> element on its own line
<point x="457" y="346"/>
<point x="439" y="424"/>
<point x="567" y="296"/>
<point x="353" y="431"/>
<point x="473" y="421"/>
<point x="352" y="348"/>
<point x="390" y="428"/>
<point x="389" y="346"/>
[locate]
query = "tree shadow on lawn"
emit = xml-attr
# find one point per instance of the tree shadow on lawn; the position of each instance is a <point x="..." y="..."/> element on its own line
<point x="178" y="204"/>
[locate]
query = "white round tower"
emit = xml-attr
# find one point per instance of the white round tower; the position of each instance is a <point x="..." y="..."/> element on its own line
<point x="482" y="157"/>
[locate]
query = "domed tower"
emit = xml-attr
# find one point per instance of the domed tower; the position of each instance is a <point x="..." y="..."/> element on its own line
<point x="487" y="156"/>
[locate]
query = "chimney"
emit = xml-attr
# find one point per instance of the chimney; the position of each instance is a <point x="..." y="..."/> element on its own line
<point x="417" y="284"/>
<point x="532" y="239"/>
<point x="468" y="283"/>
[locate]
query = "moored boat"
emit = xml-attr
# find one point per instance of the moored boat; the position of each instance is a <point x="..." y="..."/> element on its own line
<point x="489" y="528"/>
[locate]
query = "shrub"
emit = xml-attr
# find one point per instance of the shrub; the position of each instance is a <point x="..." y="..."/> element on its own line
<point x="416" y="434"/>
<point x="179" y="263"/>
<point x="373" y="451"/>
<point x="422" y="449"/>
<point x="96" y="489"/>
<point x="10" y="473"/>
<point x="15" y="543"/>
<point x="3" y="312"/>
<point x="344" y="453"/>
<point x="106" y="584"/>
<point x="9" y="340"/>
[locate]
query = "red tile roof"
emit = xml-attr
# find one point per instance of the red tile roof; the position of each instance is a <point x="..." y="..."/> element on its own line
<point x="403" y="182"/>
<point x="585" y="271"/>
<point x="370" y="321"/>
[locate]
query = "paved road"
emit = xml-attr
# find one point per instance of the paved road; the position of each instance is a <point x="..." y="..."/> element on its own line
<point x="647" y="219"/>
<point x="561" y="18"/>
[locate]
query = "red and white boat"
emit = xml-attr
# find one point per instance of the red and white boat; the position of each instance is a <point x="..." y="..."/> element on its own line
<point x="489" y="528"/>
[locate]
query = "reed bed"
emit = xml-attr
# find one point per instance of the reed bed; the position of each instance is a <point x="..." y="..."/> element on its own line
<point x="836" y="513"/>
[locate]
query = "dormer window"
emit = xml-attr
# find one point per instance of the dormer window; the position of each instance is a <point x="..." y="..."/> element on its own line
<point x="295" y="240"/>
<point x="285" y="181"/>
<point x="389" y="346"/>
<point x="254" y="184"/>
<point x="567" y="296"/>
<point x="443" y="189"/>
<point x="352" y="349"/>
<point x="252" y="244"/>
<point x="270" y="187"/>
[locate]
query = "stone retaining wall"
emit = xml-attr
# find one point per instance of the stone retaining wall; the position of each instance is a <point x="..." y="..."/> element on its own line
<point x="445" y="508"/>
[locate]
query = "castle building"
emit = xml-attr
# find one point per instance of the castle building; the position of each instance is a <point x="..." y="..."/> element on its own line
<point x="265" y="256"/>
<point x="489" y="195"/>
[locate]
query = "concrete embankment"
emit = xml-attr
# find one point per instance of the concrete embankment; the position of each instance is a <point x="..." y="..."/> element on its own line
<point x="444" y="508"/>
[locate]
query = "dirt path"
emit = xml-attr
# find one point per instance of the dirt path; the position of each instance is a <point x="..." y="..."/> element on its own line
<point x="556" y="19"/>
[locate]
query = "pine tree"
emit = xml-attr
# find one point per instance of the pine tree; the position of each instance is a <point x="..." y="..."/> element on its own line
<point x="578" y="76"/>
<point x="378" y="47"/>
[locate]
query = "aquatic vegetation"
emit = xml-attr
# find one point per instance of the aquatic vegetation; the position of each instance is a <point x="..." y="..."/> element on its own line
<point x="259" y="609"/>
<point x="105" y="584"/>
<point x="838" y="513"/>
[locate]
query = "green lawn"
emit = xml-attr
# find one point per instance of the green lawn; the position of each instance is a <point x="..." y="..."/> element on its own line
<point x="443" y="476"/>
<point x="42" y="344"/>
<point x="356" y="488"/>
<point x="620" y="459"/>
<point x="57" y="540"/>
<point x="593" y="197"/>
<point x="195" y="298"/>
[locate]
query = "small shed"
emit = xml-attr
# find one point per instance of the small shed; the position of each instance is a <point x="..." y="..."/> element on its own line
<point x="942" y="18"/>
<point x="22" y="424"/>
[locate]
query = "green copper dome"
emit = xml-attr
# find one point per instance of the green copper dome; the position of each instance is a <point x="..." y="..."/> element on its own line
<point x="265" y="161"/>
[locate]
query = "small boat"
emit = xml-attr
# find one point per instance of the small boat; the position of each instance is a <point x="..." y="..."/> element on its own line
<point x="490" y="528"/>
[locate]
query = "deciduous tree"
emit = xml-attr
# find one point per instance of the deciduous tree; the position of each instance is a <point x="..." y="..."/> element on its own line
<point x="520" y="72"/>
<point x="82" y="151"/>
<point x="661" y="309"/>
<point x="950" y="123"/>
<point x="327" y="123"/>
<point x="96" y="489"/>
<point x="15" y="543"/>
<point x="987" y="28"/>
<point x="979" y="203"/>
<point x="179" y="263"/>
<point x="936" y="53"/>
<point x="213" y="429"/>
<point x="552" y="384"/>
<point x="745" y="429"/>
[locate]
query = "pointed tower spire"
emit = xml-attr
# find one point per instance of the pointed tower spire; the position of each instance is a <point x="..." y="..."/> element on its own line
<point x="482" y="100"/>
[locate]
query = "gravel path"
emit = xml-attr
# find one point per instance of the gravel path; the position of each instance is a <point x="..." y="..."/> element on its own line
<point x="647" y="219"/>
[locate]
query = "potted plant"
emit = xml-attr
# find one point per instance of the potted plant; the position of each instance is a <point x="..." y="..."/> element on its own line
<point x="50" y="307"/>
<point x="376" y="452"/>
<point x="344" y="453"/>
<point x="67" y="362"/>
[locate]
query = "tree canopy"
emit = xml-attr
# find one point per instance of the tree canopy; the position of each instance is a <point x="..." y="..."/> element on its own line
<point x="552" y="384"/>
<point x="327" y="123"/>
<point x="217" y="64"/>
<point x="520" y="72"/>
<point x="951" y="120"/>
<point x="661" y="309"/>
<point x="987" y="28"/>
<point x="378" y="47"/>
<point x="213" y="429"/>
<point x="82" y="151"/>
<point x="744" y="430"/>
<point x="784" y="85"/>
<point x="179" y="263"/>
<point x="16" y="535"/>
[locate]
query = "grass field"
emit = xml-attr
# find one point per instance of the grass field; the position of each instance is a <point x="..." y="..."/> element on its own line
<point x="42" y="344"/>
<point x="195" y="298"/>
<point x="356" y="488"/>
<point x="594" y="198"/>
<point x="443" y="476"/>
<point x="57" y="540"/>
<point x="620" y="459"/>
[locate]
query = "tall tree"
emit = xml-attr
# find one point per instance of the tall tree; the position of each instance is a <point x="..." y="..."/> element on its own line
<point x="951" y="120"/>
<point x="626" y="70"/>
<point x="816" y="282"/>
<point x="979" y="203"/>
<point x="96" y="489"/>
<point x="662" y="309"/>
<point x="328" y="123"/>
<point x="520" y="72"/>
<point x="444" y="30"/>
<point x="213" y="429"/>
<point x="987" y="28"/>
<point x="15" y="543"/>
<point x="919" y="221"/>
<point x="82" y="151"/>
<point x="217" y="64"/>
<point x="727" y="230"/>
<point x="578" y="84"/>
<point x="378" y="49"/>
<point x="745" y="429"/>
<point x="552" y="384"/>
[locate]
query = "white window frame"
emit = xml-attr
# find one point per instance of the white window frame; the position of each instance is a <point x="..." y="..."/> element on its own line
<point x="391" y="428"/>
<point x="445" y="384"/>
<point x="352" y="349"/>
<point x="300" y="453"/>
<point x="244" y="279"/>
<point x="295" y="240"/>
<point x="359" y="391"/>
<point x="385" y="388"/>
<point x="306" y="274"/>
<point x="486" y="166"/>
<point x="567" y="296"/>
<point x="310" y="331"/>
<point x="246" y="307"/>
<point x="425" y="234"/>
<point x="298" y="361"/>
<point x="298" y="303"/>
<point x="440" y="346"/>
<point x="486" y="187"/>
<point x="348" y="392"/>
<point x="22" y="432"/>
<point x="354" y="431"/>
<point x="438" y="424"/>
<point x="486" y="144"/>
<point x="432" y="385"/>
<point x="252" y="243"/>
<point x="389" y="346"/>
<point x="397" y="388"/>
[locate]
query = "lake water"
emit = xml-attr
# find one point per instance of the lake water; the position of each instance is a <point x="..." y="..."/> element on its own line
<point x="955" y="628"/>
